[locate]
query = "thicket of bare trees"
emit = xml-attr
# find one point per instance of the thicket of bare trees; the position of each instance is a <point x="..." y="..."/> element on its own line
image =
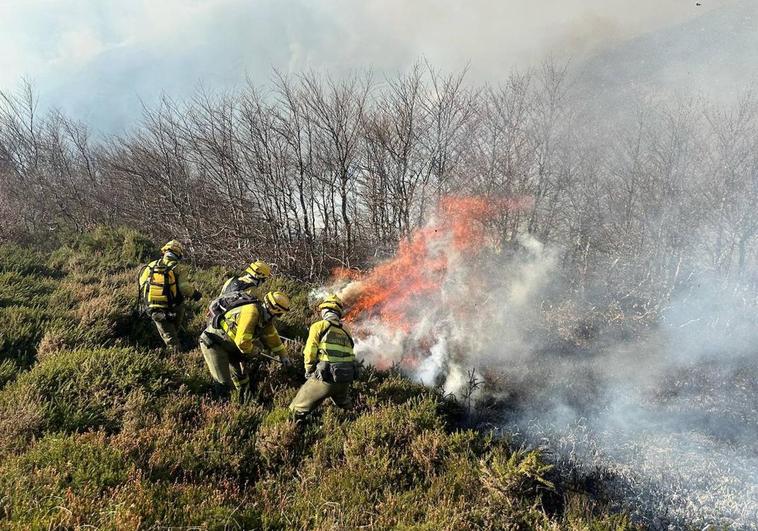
<point x="316" y="172"/>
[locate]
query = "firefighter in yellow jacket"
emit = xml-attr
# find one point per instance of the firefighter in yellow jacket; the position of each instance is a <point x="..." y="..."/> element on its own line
<point x="164" y="286"/>
<point x="329" y="360"/>
<point x="230" y="337"/>
<point x="255" y="274"/>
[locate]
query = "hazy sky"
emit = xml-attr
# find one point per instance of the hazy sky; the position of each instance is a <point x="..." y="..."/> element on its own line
<point x="98" y="58"/>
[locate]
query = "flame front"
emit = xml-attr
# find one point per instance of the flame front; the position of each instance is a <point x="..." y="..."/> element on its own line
<point x="400" y="295"/>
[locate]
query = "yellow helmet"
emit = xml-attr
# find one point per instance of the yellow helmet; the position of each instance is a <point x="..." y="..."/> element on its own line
<point x="174" y="246"/>
<point x="277" y="302"/>
<point x="259" y="270"/>
<point x="332" y="302"/>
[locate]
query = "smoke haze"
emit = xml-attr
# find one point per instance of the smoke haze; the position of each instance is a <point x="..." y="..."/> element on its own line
<point x="99" y="60"/>
<point x="664" y="414"/>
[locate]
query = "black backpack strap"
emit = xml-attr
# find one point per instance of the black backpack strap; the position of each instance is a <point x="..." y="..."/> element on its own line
<point x="172" y="300"/>
<point x="141" y="291"/>
<point x="149" y="281"/>
<point x="225" y="304"/>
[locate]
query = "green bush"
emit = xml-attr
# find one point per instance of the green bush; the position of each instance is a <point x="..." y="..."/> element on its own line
<point x="22" y="418"/>
<point x="22" y="330"/>
<point x="196" y="439"/>
<point x="117" y="244"/>
<point x="390" y="389"/>
<point x="175" y="505"/>
<point x="103" y="250"/>
<point x="60" y="480"/>
<point x="121" y="438"/>
<point x="25" y="290"/>
<point x="86" y="389"/>
<point x="8" y="370"/>
<point x="24" y="261"/>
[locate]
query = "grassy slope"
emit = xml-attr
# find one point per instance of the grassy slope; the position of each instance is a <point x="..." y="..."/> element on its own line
<point x="99" y="428"/>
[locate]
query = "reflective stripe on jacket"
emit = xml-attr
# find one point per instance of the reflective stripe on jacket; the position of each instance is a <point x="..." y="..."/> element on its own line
<point x="244" y="324"/>
<point x="328" y="341"/>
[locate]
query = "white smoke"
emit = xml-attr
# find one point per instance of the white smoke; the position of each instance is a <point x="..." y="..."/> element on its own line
<point x="667" y="418"/>
<point x="100" y="60"/>
<point x="475" y="318"/>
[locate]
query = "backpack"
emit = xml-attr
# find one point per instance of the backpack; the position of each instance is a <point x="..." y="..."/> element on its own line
<point x="336" y="371"/>
<point x="235" y="285"/>
<point x="226" y="302"/>
<point x="158" y="286"/>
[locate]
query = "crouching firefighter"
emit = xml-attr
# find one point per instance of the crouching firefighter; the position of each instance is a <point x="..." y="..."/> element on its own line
<point x="236" y="322"/>
<point x="164" y="286"/>
<point x="255" y="275"/>
<point x="330" y="365"/>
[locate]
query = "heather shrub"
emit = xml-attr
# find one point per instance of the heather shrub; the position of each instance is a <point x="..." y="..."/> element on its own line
<point x="121" y="245"/>
<point x="277" y="440"/>
<point x="8" y="370"/>
<point x="86" y="389"/>
<point x="25" y="290"/>
<point x="176" y="505"/>
<point x="389" y="389"/>
<point x="195" y="439"/>
<point x="22" y="418"/>
<point x="23" y="261"/>
<point x="584" y="514"/>
<point x="22" y="329"/>
<point x="60" y="480"/>
<point x="101" y="430"/>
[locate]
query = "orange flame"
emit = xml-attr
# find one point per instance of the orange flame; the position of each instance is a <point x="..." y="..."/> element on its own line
<point x="393" y="290"/>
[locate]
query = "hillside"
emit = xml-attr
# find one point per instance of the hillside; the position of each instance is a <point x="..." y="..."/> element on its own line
<point x="711" y="56"/>
<point x="99" y="429"/>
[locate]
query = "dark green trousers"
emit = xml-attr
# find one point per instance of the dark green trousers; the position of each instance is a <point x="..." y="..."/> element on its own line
<point x="314" y="391"/>
<point x="222" y="357"/>
<point x="227" y="364"/>
<point x="169" y="329"/>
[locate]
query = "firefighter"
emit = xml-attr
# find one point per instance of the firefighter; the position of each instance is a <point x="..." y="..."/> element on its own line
<point x="329" y="361"/>
<point x="255" y="275"/>
<point x="230" y="338"/>
<point x="164" y="286"/>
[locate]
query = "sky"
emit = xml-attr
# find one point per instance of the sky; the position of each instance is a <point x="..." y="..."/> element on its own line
<point x="100" y="59"/>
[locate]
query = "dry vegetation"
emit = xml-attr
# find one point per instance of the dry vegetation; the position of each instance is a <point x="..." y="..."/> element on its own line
<point x="98" y="428"/>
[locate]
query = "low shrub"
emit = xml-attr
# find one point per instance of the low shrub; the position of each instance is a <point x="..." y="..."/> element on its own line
<point x="22" y="330"/>
<point x="120" y="245"/>
<point x="8" y="371"/>
<point x="86" y="389"/>
<point x="390" y="389"/>
<point x="22" y="418"/>
<point x="59" y="481"/>
<point x="25" y="290"/>
<point x="195" y="439"/>
<point x="97" y="434"/>
<point x="24" y="261"/>
<point x="174" y="505"/>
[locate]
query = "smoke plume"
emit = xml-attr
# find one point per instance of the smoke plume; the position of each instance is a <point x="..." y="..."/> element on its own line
<point x="662" y="409"/>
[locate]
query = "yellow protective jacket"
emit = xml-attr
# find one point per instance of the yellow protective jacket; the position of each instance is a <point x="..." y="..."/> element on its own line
<point x="181" y="288"/>
<point x="328" y="341"/>
<point x="245" y="324"/>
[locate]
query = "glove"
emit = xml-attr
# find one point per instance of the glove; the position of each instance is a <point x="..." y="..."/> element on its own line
<point x="309" y="370"/>
<point x="196" y="296"/>
<point x="285" y="361"/>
